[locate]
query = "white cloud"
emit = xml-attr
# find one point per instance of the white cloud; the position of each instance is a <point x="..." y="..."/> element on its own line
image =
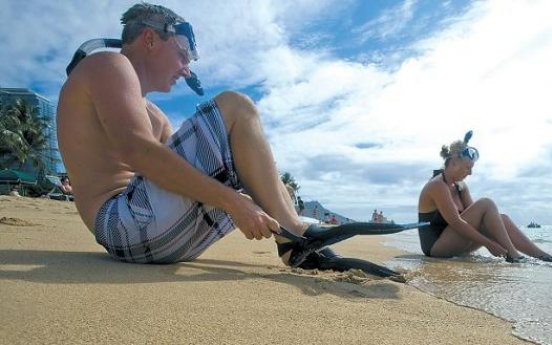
<point x="488" y="71"/>
<point x="390" y="23"/>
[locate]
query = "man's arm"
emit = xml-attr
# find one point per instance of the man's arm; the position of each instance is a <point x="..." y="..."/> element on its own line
<point x="116" y="93"/>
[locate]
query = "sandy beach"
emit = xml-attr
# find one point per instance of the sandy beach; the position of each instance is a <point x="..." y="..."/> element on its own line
<point x="59" y="287"/>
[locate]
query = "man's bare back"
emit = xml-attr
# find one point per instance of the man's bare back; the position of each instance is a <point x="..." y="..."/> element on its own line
<point x="95" y="167"/>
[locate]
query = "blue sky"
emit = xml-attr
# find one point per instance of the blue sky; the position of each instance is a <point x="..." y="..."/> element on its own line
<point x="356" y="97"/>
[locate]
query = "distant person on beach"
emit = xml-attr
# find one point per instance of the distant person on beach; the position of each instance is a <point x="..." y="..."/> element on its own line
<point x="375" y="216"/>
<point x="14" y="191"/>
<point x="301" y="206"/>
<point x="459" y="225"/>
<point x="146" y="193"/>
<point x="66" y="186"/>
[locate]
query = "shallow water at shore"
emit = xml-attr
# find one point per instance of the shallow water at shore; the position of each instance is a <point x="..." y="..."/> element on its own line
<point x="516" y="292"/>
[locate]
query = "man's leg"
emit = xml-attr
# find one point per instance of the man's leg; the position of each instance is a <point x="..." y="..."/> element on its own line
<point x="257" y="173"/>
<point x="254" y="160"/>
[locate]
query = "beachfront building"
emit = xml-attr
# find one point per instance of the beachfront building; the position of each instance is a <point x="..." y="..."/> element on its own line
<point x="44" y="108"/>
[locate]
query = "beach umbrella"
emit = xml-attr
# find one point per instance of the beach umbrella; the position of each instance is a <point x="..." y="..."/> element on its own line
<point x="16" y="176"/>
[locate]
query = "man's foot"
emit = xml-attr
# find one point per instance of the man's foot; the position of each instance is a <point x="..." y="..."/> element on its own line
<point x="546" y="257"/>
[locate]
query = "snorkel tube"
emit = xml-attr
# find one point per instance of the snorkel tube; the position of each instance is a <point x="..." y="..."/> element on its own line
<point x="467" y="137"/>
<point x="471" y="152"/>
<point x="89" y="46"/>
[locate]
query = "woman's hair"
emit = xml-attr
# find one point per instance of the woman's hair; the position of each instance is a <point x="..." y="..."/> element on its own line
<point x="453" y="150"/>
<point x="133" y="20"/>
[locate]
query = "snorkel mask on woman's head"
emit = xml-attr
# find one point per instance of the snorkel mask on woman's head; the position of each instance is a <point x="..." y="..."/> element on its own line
<point x="469" y="152"/>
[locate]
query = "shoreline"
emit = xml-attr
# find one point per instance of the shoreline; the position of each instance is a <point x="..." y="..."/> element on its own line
<point x="59" y="286"/>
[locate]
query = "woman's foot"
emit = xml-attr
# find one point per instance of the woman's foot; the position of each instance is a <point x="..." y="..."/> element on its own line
<point x="516" y="260"/>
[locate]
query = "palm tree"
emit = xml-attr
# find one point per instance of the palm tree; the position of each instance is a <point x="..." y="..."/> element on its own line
<point x="289" y="180"/>
<point x="24" y="137"/>
<point x="10" y="138"/>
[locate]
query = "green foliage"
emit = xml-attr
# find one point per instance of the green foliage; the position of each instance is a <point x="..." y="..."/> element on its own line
<point x="289" y="180"/>
<point x="22" y="136"/>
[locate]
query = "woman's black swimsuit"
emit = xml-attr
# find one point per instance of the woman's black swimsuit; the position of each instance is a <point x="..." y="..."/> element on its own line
<point x="429" y="234"/>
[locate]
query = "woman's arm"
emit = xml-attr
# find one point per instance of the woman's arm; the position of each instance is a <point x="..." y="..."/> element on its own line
<point x="442" y="197"/>
<point x="465" y="195"/>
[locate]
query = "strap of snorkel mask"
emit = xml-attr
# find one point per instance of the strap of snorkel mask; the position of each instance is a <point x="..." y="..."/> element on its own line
<point x="98" y="43"/>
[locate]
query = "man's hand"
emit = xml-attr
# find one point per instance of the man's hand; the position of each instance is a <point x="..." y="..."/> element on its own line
<point x="252" y="220"/>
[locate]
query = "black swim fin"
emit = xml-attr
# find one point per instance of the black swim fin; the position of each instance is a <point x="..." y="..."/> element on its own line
<point x="316" y="237"/>
<point x="327" y="259"/>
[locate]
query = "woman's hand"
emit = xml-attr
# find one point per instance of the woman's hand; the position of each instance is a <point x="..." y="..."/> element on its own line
<point x="496" y="249"/>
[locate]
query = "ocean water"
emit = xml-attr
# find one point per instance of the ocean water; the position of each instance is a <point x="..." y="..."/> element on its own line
<point x="520" y="293"/>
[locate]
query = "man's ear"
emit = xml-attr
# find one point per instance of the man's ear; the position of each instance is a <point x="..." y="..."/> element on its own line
<point x="148" y="38"/>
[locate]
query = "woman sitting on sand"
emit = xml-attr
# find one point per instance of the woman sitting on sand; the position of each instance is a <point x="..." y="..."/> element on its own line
<point x="458" y="225"/>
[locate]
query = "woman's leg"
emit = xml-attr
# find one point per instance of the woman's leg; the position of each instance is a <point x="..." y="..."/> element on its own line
<point x="451" y="243"/>
<point x="483" y="216"/>
<point x="520" y="241"/>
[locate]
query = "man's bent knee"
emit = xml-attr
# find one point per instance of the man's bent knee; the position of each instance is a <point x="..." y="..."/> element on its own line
<point x="233" y="104"/>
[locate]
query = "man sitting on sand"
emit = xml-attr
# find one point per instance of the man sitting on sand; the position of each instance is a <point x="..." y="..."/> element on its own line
<point x="159" y="196"/>
<point x="163" y="197"/>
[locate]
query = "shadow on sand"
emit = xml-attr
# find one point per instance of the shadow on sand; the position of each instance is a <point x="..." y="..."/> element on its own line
<point x="55" y="267"/>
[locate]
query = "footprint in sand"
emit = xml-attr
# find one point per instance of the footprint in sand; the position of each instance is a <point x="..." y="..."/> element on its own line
<point x="15" y="221"/>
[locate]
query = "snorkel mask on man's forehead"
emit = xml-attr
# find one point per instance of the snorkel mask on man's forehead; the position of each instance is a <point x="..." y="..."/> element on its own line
<point x="469" y="152"/>
<point x="183" y="35"/>
<point x="184" y="38"/>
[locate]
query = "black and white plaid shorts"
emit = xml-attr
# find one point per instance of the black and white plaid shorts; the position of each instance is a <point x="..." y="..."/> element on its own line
<point x="148" y="224"/>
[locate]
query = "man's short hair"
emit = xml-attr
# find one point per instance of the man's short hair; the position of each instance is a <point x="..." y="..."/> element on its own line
<point x="133" y="20"/>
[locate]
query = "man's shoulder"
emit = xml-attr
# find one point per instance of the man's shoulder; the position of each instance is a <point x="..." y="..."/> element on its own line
<point x="99" y="75"/>
<point x="105" y="56"/>
<point x="101" y="64"/>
